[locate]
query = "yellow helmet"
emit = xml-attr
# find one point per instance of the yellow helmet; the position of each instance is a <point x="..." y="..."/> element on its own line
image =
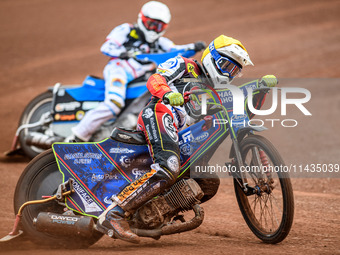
<point x="224" y="58"/>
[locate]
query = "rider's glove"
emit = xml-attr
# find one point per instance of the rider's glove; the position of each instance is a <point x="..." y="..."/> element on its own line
<point x="173" y="98"/>
<point x="199" y="45"/>
<point x="126" y="55"/>
<point x="269" y="81"/>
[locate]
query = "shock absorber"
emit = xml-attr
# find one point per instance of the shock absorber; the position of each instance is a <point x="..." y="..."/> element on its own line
<point x="265" y="165"/>
<point x="264" y="160"/>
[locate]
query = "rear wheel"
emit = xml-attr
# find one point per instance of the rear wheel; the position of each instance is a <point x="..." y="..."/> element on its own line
<point x="269" y="209"/>
<point x="40" y="178"/>
<point x="32" y="113"/>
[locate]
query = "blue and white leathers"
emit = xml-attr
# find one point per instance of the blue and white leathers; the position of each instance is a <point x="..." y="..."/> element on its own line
<point x="119" y="72"/>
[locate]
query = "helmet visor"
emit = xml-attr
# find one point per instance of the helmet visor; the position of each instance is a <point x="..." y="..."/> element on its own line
<point x="228" y="66"/>
<point x="153" y="24"/>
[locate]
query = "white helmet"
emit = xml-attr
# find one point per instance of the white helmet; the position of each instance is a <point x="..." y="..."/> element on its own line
<point x="153" y="19"/>
<point x="224" y="59"/>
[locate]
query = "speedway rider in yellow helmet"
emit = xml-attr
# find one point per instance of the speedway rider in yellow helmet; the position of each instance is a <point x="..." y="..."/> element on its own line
<point x="224" y="59"/>
<point x="164" y="117"/>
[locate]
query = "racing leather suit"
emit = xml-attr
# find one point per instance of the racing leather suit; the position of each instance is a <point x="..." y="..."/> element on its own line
<point x="119" y="72"/>
<point x="160" y="124"/>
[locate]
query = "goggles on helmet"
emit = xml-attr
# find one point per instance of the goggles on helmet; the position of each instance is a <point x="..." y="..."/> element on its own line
<point x="225" y="64"/>
<point x="153" y="24"/>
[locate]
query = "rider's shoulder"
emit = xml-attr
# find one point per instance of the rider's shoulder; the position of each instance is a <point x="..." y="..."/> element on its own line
<point x="190" y="61"/>
<point x="122" y="28"/>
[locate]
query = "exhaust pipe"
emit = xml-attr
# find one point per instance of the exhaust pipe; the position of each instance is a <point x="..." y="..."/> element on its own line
<point x="64" y="225"/>
<point x="42" y="141"/>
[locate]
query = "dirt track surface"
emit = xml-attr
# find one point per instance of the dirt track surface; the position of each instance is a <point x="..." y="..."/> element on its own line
<point x="43" y="42"/>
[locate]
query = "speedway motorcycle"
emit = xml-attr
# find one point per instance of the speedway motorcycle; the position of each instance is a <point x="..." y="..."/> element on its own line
<point x="65" y="190"/>
<point x="49" y="117"/>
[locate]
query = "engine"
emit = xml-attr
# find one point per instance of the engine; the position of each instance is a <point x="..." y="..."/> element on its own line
<point x="182" y="196"/>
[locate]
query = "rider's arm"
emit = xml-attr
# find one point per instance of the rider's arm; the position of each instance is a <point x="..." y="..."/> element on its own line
<point x="167" y="72"/>
<point x="167" y="45"/>
<point x="113" y="45"/>
<point x="157" y="85"/>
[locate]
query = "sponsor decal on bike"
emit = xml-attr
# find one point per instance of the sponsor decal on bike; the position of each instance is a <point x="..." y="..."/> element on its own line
<point x="71" y="106"/>
<point x="64" y="117"/>
<point x="89" y="204"/>
<point x="186" y="137"/>
<point x="88" y="105"/>
<point x="127" y="191"/>
<point x="79" y="155"/>
<point x="108" y="200"/>
<point x="186" y="149"/>
<point x="103" y="177"/>
<point x="169" y="127"/>
<point x="173" y="163"/>
<point x="82" y="158"/>
<point x="127" y="161"/>
<point x="201" y="137"/>
<point x="121" y="150"/>
<point x="67" y="220"/>
<point x="138" y="173"/>
<point x="143" y="193"/>
<point x="80" y="115"/>
<point x="147" y="113"/>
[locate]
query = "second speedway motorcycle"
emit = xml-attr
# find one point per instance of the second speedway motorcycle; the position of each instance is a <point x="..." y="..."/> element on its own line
<point x="49" y="117"/>
<point x="63" y="191"/>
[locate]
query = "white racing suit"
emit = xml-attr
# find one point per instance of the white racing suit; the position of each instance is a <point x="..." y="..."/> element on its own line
<point x="119" y="72"/>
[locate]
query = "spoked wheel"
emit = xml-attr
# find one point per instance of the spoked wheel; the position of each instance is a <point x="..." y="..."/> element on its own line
<point x="268" y="206"/>
<point x="40" y="178"/>
<point x="31" y="114"/>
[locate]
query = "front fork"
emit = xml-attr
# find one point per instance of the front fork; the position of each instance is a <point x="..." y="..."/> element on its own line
<point x="239" y="162"/>
<point x="260" y="159"/>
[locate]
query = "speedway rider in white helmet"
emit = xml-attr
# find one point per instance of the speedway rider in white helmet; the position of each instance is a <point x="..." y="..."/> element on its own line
<point x="222" y="61"/>
<point x="122" y="43"/>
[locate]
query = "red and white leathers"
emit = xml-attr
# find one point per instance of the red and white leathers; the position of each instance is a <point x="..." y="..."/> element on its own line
<point x="119" y="72"/>
<point x="160" y="124"/>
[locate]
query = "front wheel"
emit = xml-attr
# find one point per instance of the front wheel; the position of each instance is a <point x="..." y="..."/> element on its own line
<point x="40" y="178"/>
<point x="268" y="205"/>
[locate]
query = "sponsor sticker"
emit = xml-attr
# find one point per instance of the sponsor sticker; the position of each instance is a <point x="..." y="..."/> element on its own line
<point x="121" y="150"/>
<point x="201" y="137"/>
<point x="186" y="149"/>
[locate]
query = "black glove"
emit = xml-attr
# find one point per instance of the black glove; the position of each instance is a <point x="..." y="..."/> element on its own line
<point x="199" y="45"/>
<point x="125" y="55"/>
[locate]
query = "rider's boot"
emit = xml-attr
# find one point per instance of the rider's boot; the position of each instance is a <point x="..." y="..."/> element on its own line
<point x="112" y="221"/>
<point x="115" y="225"/>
